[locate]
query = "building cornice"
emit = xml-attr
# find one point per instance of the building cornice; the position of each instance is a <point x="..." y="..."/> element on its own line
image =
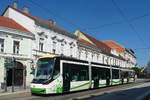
<point x="17" y="56"/>
<point x="16" y="32"/>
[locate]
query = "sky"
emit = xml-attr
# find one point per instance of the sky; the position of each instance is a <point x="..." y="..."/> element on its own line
<point x="124" y="21"/>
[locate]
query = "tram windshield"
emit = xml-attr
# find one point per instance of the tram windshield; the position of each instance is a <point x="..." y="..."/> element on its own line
<point x="44" y="69"/>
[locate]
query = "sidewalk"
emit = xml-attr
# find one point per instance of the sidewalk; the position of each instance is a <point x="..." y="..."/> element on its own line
<point x="19" y="92"/>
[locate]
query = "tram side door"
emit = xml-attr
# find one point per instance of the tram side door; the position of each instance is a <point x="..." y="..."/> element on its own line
<point x="95" y="77"/>
<point x="66" y="78"/>
<point x="107" y="72"/>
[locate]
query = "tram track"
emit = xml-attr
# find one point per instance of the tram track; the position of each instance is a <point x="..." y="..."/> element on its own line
<point x="81" y="94"/>
<point x="85" y="94"/>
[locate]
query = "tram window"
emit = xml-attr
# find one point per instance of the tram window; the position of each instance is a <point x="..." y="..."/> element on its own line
<point x="115" y="73"/>
<point x="131" y="74"/>
<point x="83" y="75"/>
<point x="103" y="74"/>
<point x="75" y="76"/>
<point x="96" y="73"/>
<point x="56" y="71"/>
<point x="78" y="72"/>
<point x="126" y="75"/>
<point x="100" y="73"/>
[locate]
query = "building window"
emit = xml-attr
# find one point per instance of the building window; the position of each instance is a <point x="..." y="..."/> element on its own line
<point x="41" y="46"/>
<point x="62" y="48"/>
<point x="71" y="51"/>
<point x="1" y="45"/>
<point x="16" y="47"/>
<point x="86" y="54"/>
<point x="79" y="54"/>
<point x="103" y="59"/>
<point x="97" y="57"/>
<point x="92" y="56"/>
<point x="54" y="48"/>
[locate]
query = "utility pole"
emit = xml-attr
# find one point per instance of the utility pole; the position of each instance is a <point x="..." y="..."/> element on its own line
<point x="110" y="71"/>
<point x="111" y="74"/>
<point x="5" y="79"/>
<point x="13" y="72"/>
<point x="90" y="73"/>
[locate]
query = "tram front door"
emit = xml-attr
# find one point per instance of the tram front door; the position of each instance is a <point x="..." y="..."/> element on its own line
<point x="66" y="79"/>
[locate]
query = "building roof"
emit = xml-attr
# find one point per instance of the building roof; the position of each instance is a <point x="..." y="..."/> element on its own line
<point x="86" y="43"/>
<point x="114" y="45"/>
<point x="49" y="24"/>
<point x="10" y="23"/>
<point x="131" y="52"/>
<point x="99" y="44"/>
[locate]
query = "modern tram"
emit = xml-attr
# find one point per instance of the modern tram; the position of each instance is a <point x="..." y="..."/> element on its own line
<point x="55" y="75"/>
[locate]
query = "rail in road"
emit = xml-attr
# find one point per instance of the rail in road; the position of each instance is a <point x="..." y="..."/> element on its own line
<point x="80" y="95"/>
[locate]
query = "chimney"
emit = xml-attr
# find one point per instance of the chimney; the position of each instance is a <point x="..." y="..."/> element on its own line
<point x="25" y="9"/>
<point x="52" y="22"/>
<point x="15" y="4"/>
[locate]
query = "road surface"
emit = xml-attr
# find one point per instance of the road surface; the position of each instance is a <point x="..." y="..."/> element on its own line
<point x="133" y="91"/>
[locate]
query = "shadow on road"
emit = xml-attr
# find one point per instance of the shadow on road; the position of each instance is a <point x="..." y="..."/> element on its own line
<point x="130" y="94"/>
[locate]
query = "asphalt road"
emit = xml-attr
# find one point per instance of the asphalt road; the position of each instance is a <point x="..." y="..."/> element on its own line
<point x="121" y="92"/>
<point x="133" y="93"/>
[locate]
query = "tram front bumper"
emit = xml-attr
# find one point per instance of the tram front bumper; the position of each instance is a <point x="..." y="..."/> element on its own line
<point x="38" y="90"/>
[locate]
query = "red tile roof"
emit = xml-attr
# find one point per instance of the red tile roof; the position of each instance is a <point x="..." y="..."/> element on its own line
<point x="35" y="18"/>
<point x="9" y="23"/>
<point x="44" y="23"/>
<point x="87" y="43"/>
<point x="102" y="46"/>
<point x="114" y="45"/>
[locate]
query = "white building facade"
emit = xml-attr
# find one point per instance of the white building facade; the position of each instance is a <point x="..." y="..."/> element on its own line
<point x="15" y="52"/>
<point x="49" y="39"/>
<point x="94" y="50"/>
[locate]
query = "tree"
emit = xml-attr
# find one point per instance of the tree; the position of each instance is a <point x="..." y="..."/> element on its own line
<point x="148" y="64"/>
<point x="147" y="70"/>
<point x="138" y="71"/>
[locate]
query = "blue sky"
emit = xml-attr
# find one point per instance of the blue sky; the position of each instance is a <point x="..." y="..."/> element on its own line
<point x="96" y="17"/>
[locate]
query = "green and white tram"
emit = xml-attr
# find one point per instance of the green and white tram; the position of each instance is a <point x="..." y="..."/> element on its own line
<point x="61" y="74"/>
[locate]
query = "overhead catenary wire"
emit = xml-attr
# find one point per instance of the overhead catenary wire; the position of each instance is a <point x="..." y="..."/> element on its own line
<point x="128" y="22"/>
<point x="104" y="25"/>
<point x="142" y="48"/>
<point x="56" y="15"/>
<point x="118" y="22"/>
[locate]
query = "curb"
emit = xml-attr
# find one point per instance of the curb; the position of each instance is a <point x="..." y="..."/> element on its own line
<point x="4" y="96"/>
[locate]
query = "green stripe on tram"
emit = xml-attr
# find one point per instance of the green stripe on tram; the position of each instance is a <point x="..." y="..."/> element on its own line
<point x="80" y="85"/>
<point x="116" y="81"/>
<point x="38" y="90"/>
